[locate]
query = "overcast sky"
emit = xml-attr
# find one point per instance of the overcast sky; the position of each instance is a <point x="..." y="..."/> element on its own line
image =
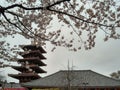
<point x="104" y="58"/>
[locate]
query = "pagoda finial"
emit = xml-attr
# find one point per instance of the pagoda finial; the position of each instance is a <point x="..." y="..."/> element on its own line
<point x="35" y="42"/>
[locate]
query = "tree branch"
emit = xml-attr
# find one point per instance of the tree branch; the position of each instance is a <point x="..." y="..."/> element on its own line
<point x="35" y="8"/>
<point x="56" y="3"/>
<point x="67" y="14"/>
<point x="30" y="30"/>
<point x="14" y="14"/>
<point x="13" y="23"/>
<point x="2" y="9"/>
<point x="21" y="6"/>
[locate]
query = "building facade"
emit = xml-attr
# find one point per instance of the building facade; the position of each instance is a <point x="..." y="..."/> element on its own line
<point x="12" y="86"/>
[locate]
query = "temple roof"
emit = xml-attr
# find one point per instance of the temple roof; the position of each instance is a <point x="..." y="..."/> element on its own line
<point x="35" y="53"/>
<point x="78" y="78"/>
<point x="35" y="60"/>
<point x="33" y="47"/>
<point x="24" y="75"/>
<point x="35" y="68"/>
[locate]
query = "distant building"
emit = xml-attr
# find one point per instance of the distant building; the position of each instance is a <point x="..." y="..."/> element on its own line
<point x="74" y="80"/>
<point x="11" y="86"/>
<point x="30" y="64"/>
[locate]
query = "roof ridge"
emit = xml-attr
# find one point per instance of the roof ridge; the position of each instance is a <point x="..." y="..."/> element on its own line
<point x="105" y="76"/>
<point x="93" y="72"/>
<point x="75" y="70"/>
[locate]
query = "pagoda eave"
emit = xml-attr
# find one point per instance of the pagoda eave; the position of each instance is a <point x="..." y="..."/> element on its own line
<point x="19" y="68"/>
<point x="34" y="60"/>
<point x="37" y="69"/>
<point x="26" y="75"/>
<point x="33" y="67"/>
<point x="33" y="47"/>
<point x="36" y="53"/>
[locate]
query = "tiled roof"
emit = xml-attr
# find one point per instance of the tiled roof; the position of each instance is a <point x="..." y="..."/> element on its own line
<point x="24" y="75"/>
<point x="77" y="78"/>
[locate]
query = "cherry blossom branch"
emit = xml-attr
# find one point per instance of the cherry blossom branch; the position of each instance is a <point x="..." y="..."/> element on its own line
<point x="67" y="14"/>
<point x="56" y="3"/>
<point x="12" y="23"/>
<point x="43" y="38"/>
<point x="18" y="16"/>
<point x="3" y="9"/>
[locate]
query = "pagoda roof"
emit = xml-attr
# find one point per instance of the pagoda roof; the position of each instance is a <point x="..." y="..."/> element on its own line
<point x="35" y="53"/>
<point x="35" y="60"/>
<point x="35" y="68"/>
<point x="24" y="75"/>
<point x="33" y="47"/>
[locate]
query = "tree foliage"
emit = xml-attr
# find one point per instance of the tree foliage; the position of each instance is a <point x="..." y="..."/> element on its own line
<point x="84" y="18"/>
<point x="115" y="75"/>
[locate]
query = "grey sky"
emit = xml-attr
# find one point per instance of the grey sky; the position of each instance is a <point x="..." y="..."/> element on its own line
<point x="104" y="58"/>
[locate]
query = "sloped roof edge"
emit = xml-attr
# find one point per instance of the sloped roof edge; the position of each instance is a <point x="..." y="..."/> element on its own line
<point x="56" y="80"/>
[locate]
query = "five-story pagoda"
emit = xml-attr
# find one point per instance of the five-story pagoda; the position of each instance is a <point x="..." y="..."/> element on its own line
<point x="30" y="64"/>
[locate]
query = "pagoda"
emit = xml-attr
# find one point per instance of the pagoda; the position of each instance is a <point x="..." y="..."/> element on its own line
<point x="30" y="64"/>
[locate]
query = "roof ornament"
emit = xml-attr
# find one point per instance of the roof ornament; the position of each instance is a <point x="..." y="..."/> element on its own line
<point x="36" y="41"/>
